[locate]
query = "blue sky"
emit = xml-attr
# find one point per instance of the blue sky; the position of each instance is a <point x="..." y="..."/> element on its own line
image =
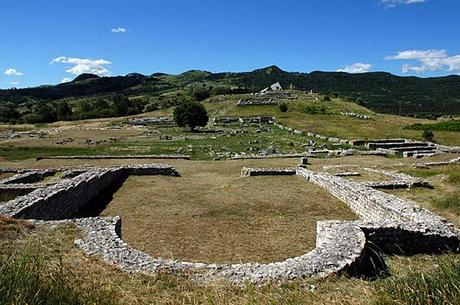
<point x="49" y="41"/>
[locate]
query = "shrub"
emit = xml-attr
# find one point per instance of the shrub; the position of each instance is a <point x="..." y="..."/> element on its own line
<point x="283" y="107"/>
<point x="151" y="107"/>
<point x="428" y="135"/>
<point x="315" y="109"/>
<point x="191" y="114"/>
<point x="327" y="98"/>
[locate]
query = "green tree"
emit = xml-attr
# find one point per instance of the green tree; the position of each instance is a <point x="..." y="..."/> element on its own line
<point x="8" y="113"/>
<point x="191" y="114"/>
<point x="63" y="110"/>
<point x="41" y="113"/>
<point x="121" y="104"/>
<point x="200" y="94"/>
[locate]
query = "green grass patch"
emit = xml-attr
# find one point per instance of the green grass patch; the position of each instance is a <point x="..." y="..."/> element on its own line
<point x="435" y="288"/>
<point x="450" y="203"/>
<point x="27" y="277"/>
<point x="7" y="196"/>
<point x="453" y="125"/>
<point x="314" y="109"/>
<point x="452" y="172"/>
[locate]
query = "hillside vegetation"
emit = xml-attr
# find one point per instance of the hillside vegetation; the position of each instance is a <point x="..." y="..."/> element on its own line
<point x="90" y="96"/>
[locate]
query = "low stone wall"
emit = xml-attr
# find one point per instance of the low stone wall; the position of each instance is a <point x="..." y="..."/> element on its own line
<point x="64" y="199"/>
<point x="355" y="115"/>
<point x="256" y="102"/>
<point x="440" y="163"/>
<point x="250" y="172"/>
<point x="411" y="238"/>
<point x="391" y="222"/>
<point x="340" y="247"/>
<point x="348" y="174"/>
<point x="272" y="156"/>
<point x="31" y="176"/>
<point x="151" y="170"/>
<point x="25" y="187"/>
<point x="397" y="184"/>
<point x="400" y="180"/>
<point x="121" y="157"/>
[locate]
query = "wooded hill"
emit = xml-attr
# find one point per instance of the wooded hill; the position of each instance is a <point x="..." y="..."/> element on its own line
<point x="379" y="91"/>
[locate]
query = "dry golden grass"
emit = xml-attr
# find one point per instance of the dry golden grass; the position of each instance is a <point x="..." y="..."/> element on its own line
<point x="177" y="289"/>
<point x="6" y="175"/>
<point x="56" y="243"/>
<point x="211" y="214"/>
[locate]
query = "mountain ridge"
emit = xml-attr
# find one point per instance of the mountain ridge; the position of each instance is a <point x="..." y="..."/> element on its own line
<point x="379" y="91"/>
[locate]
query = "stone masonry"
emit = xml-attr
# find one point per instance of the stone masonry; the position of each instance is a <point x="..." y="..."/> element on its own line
<point x="390" y="223"/>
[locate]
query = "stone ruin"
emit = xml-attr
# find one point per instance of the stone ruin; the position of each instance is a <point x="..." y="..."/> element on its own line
<point x="262" y="119"/>
<point x="439" y="163"/>
<point x="41" y="134"/>
<point x="382" y="147"/>
<point x="257" y="101"/>
<point x="387" y="225"/>
<point x="355" y="115"/>
<point x="408" y="148"/>
<point x="151" y="121"/>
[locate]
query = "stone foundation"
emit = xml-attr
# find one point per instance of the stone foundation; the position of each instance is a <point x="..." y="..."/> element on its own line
<point x="388" y="223"/>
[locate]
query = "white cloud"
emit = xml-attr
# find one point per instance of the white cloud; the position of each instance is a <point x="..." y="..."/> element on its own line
<point x="66" y="80"/>
<point x="119" y="30"/>
<point x="428" y="61"/>
<point x="356" y="68"/>
<point x="393" y="3"/>
<point x="14" y="83"/>
<point x="83" y="65"/>
<point x="13" y="72"/>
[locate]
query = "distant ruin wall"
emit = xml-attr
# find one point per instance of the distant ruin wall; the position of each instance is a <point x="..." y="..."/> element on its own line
<point x="250" y="172"/>
<point x="112" y="157"/>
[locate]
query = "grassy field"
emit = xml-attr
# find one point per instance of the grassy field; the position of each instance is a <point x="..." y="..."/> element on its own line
<point x="224" y="140"/>
<point x="334" y="124"/>
<point x="211" y="214"/>
<point x="30" y="254"/>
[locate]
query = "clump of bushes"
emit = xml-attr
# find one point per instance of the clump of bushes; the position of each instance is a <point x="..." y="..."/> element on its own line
<point x="283" y="107"/>
<point x="428" y="135"/>
<point x="313" y="109"/>
<point x="453" y="125"/>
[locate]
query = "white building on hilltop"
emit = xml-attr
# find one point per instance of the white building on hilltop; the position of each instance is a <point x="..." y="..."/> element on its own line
<point x="274" y="87"/>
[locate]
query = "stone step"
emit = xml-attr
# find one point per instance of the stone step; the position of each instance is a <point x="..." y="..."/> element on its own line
<point x="413" y="148"/>
<point x="372" y="145"/>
